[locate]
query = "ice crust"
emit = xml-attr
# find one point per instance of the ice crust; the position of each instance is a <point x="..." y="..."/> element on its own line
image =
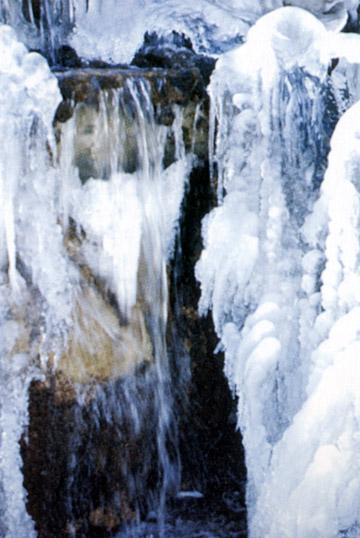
<point x="279" y="271"/>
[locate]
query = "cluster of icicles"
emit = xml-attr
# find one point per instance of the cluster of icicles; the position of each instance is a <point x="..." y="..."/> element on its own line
<point x="279" y="271"/>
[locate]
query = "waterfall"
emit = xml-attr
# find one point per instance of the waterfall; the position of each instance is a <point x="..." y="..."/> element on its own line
<point x="109" y="302"/>
<point x="88" y="224"/>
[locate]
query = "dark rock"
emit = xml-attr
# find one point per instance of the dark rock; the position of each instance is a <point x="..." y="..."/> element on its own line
<point x="64" y="112"/>
<point x="176" y="39"/>
<point x="211" y="448"/>
<point x="86" y="471"/>
<point x="175" y="52"/>
<point x="206" y="66"/>
<point x="333" y="64"/>
<point x="184" y="82"/>
<point x="67" y="57"/>
<point x="353" y="25"/>
<point x="165" y="116"/>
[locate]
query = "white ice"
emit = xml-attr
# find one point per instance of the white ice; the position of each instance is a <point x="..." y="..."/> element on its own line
<point x="280" y="272"/>
<point x="128" y="223"/>
<point x="213" y="26"/>
<point x="28" y="98"/>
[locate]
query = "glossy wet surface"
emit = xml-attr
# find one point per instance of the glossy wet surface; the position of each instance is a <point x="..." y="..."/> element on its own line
<point x="196" y="518"/>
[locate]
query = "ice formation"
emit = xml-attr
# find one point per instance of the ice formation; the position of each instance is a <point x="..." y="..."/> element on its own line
<point x="280" y="270"/>
<point x="127" y="234"/>
<point x="28" y="98"/>
<point x="213" y="26"/>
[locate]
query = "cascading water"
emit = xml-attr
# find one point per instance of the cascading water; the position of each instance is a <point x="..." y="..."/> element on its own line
<point x="91" y="193"/>
<point x="84" y="294"/>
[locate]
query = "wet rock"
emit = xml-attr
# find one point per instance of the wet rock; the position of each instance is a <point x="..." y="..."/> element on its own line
<point x="175" y="52"/>
<point x="32" y="10"/>
<point x="86" y="470"/>
<point x="106" y="519"/>
<point x="353" y="23"/>
<point x="67" y="57"/>
<point x="83" y="90"/>
<point x="99" y="348"/>
<point x="64" y="112"/>
<point x="212" y="452"/>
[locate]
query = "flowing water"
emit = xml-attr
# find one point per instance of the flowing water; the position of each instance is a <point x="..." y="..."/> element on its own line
<point x="91" y="210"/>
<point x="85" y="239"/>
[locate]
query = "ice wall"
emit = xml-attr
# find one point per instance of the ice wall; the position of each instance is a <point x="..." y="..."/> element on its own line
<point x="277" y="269"/>
<point x="39" y="24"/>
<point x="28" y="97"/>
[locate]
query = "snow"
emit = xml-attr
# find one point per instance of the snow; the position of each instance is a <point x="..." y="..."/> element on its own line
<point x="213" y="26"/>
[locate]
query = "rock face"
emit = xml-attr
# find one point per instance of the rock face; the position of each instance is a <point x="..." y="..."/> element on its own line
<point x="211" y="448"/>
<point x="169" y="87"/>
<point x="174" y="51"/>
<point x="86" y="470"/>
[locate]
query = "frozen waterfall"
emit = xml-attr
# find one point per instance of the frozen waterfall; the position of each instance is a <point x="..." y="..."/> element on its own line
<point x="212" y="26"/>
<point x="109" y="302"/>
<point x="279" y="271"/>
